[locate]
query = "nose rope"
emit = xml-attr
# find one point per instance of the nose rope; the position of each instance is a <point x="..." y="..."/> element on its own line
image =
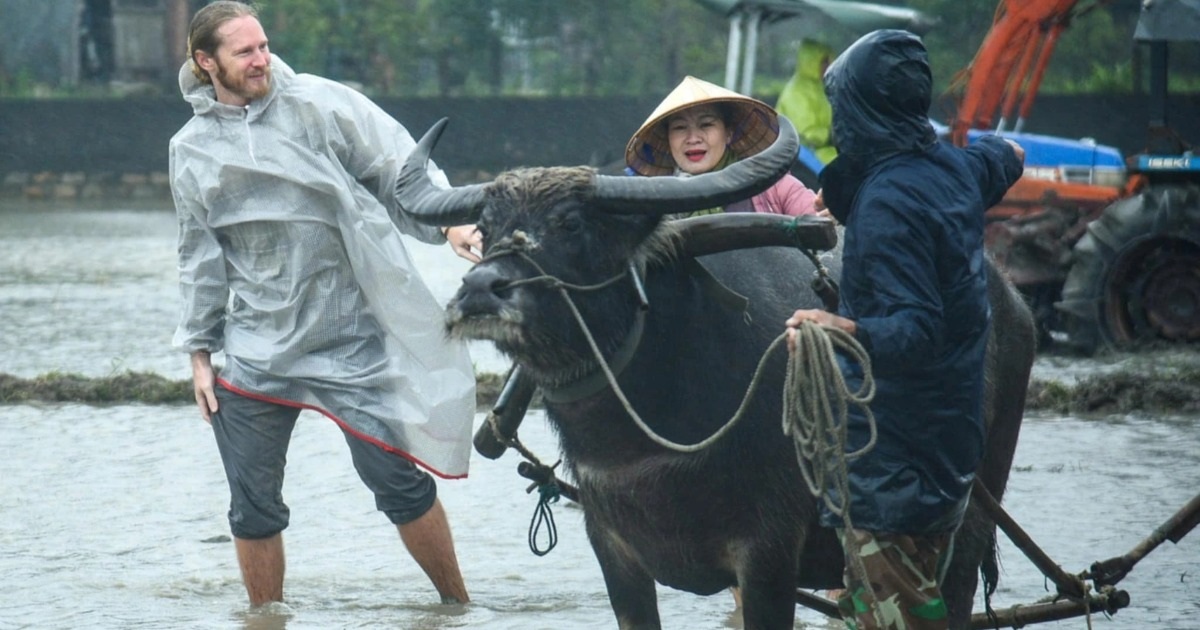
<point x="557" y="283"/>
<point x="518" y="246"/>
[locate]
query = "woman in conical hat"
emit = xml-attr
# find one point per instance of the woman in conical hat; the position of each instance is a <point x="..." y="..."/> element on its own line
<point x="700" y="128"/>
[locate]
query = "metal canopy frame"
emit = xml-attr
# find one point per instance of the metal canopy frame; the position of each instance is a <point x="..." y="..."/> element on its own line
<point x="746" y="18"/>
<point x="1160" y="24"/>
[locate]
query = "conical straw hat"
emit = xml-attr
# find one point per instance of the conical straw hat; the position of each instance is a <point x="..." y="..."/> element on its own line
<point x="754" y="126"/>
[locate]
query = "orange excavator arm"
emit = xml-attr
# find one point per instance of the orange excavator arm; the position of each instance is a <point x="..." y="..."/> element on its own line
<point x="1010" y="64"/>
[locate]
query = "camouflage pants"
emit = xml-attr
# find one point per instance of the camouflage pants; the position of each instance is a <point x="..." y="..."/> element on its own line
<point x="904" y="591"/>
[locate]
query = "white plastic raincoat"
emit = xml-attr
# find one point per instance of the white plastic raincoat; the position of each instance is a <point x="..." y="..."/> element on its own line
<point x="290" y="261"/>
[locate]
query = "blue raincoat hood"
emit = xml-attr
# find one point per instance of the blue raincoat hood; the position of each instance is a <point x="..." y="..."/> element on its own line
<point x="880" y="89"/>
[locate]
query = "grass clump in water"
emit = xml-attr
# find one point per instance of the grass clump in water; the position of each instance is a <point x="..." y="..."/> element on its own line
<point x="146" y="387"/>
<point x="126" y="387"/>
<point x="1156" y="390"/>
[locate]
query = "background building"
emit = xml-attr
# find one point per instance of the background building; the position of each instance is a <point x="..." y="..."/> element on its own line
<point x="68" y="43"/>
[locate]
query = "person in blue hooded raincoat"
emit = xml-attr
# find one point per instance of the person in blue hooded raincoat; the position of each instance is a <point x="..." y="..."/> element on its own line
<point x="914" y="295"/>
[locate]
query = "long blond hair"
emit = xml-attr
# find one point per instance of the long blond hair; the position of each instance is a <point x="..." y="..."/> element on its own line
<point x="202" y="34"/>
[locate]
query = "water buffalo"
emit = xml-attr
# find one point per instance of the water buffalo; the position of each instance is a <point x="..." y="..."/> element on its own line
<point x="573" y="258"/>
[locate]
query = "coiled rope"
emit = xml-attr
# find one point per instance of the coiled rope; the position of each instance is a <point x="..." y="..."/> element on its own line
<point x="816" y="404"/>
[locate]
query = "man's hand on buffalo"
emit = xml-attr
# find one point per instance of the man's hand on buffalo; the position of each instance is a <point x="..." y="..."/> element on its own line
<point x="465" y="240"/>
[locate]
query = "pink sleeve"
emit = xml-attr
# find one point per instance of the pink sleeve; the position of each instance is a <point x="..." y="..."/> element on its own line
<point x="788" y="196"/>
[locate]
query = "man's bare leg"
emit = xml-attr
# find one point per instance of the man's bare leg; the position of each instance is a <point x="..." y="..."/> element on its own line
<point x="262" y="564"/>
<point x="429" y="542"/>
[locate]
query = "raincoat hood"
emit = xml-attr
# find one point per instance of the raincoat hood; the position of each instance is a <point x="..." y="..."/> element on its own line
<point x="203" y="96"/>
<point x="880" y="90"/>
<point x="810" y="59"/>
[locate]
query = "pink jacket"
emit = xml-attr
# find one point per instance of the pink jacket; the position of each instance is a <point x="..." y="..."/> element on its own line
<point x="788" y="196"/>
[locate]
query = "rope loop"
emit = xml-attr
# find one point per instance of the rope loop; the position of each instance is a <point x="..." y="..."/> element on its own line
<point x="542" y="516"/>
<point x="816" y="405"/>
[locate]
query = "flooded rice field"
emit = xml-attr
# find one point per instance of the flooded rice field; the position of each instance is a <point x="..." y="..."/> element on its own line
<point x="114" y="515"/>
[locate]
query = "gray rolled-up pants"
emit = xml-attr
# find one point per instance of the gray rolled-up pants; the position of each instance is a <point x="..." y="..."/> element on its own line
<point x="253" y="436"/>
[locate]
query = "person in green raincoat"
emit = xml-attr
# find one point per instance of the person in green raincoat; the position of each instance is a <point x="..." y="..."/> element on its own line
<point x="803" y="100"/>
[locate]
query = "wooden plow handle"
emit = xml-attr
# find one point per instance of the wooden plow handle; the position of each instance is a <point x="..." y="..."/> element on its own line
<point x="1109" y="572"/>
<point x="1069" y="585"/>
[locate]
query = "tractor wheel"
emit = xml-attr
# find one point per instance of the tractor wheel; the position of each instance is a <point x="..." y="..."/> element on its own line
<point x="1135" y="277"/>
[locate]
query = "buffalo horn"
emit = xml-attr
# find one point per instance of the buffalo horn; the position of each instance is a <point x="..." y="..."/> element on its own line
<point x="427" y="203"/>
<point x="715" y="233"/>
<point x="669" y="195"/>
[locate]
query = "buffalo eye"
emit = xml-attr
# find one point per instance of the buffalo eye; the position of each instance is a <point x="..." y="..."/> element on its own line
<point x="570" y="224"/>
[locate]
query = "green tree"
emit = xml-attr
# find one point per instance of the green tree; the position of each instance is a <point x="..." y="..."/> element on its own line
<point x="576" y="47"/>
<point x="375" y="43"/>
<point x="1095" y="47"/>
<point x="637" y="47"/>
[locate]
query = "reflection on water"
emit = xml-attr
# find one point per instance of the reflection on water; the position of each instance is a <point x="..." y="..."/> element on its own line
<point x="109" y="514"/>
<point x="113" y="517"/>
<point x="88" y="292"/>
<point x="108" y="510"/>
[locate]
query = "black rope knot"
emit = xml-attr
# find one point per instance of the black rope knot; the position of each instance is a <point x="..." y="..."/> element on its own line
<point x="547" y="485"/>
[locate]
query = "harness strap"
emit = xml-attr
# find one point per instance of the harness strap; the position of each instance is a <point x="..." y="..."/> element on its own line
<point x="598" y="380"/>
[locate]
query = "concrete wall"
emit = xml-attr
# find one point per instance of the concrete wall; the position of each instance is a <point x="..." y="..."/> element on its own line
<point x="69" y="149"/>
<point x="98" y="142"/>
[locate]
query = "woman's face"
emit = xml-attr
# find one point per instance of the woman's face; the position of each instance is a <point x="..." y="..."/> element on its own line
<point x="698" y="138"/>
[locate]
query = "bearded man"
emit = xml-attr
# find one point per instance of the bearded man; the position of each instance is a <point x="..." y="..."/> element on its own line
<point x="291" y="263"/>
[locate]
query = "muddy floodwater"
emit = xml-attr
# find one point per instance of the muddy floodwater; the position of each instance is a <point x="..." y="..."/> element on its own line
<point x="114" y="516"/>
